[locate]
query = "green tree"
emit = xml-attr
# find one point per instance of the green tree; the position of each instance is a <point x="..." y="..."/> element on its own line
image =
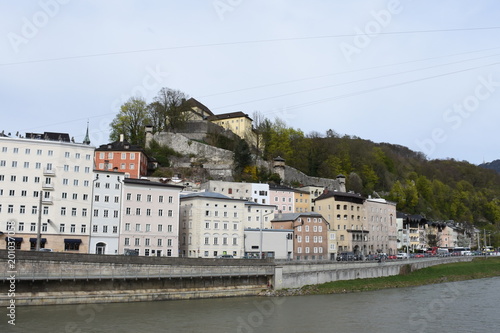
<point x="130" y="122"/>
<point x="242" y="158"/>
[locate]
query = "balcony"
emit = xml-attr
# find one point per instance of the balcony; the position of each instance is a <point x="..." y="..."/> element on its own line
<point x="47" y="201"/>
<point x="47" y="187"/>
<point x="49" y="172"/>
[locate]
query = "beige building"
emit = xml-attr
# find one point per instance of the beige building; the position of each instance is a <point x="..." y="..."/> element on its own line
<point x="346" y="214"/>
<point x="211" y="225"/>
<point x="382" y="227"/>
<point x="302" y="201"/>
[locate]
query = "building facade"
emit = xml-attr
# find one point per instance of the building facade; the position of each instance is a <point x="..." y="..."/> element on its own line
<point x="123" y="157"/>
<point x="310" y="239"/>
<point x="346" y="214"/>
<point x="149" y="218"/>
<point x="46" y="188"/>
<point x="211" y="225"/>
<point x="382" y="226"/>
<point x="106" y="212"/>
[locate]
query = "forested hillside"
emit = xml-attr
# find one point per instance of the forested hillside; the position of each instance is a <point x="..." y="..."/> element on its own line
<point x="494" y="165"/>
<point x="439" y="189"/>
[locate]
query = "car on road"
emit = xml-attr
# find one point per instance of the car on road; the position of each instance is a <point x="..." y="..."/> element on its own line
<point x="402" y="255"/>
<point x="346" y="256"/>
<point x="46" y="250"/>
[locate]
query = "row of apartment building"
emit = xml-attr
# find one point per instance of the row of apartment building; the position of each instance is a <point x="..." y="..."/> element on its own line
<point x="68" y="196"/>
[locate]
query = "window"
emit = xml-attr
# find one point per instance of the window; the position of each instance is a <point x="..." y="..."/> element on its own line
<point x="104" y="228"/>
<point x="33" y="227"/>
<point x="72" y="228"/>
<point x="94" y="228"/>
<point x="61" y="227"/>
<point x="73" y="211"/>
<point x="20" y="226"/>
<point x="160" y="227"/>
<point x="160" y="242"/>
<point x="44" y="227"/>
<point x="63" y="211"/>
<point x="127" y="226"/>
<point x="160" y="198"/>
<point x="22" y="209"/>
<point x="137" y="227"/>
<point x="127" y="241"/>
<point x="84" y="212"/>
<point x="170" y="199"/>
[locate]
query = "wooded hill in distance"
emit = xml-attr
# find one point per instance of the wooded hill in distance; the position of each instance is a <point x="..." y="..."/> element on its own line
<point x="494" y="165"/>
<point x="438" y="189"/>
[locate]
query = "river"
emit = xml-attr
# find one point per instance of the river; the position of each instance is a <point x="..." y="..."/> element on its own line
<point x="466" y="306"/>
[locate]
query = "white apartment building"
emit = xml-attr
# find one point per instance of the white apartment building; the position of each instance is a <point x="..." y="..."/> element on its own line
<point x="255" y="192"/>
<point x="211" y="225"/>
<point x="149" y="218"/>
<point x="46" y="182"/>
<point x="258" y="216"/>
<point x="106" y="212"/>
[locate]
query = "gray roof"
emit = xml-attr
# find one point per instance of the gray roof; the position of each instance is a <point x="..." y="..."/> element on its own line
<point x="212" y="195"/>
<point x="293" y="216"/>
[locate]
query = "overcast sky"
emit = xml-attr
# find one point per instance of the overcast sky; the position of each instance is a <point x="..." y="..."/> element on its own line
<point x="423" y="74"/>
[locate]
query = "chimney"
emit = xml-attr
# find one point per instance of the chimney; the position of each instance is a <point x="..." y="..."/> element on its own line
<point x="122" y="137"/>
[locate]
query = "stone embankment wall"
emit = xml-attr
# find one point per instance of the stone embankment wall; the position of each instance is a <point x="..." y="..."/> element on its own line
<point x="296" y="276"/>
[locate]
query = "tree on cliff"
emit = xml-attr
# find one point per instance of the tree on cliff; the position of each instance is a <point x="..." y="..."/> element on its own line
<point x="169" y="110"/>
<point x="130" y="121"/>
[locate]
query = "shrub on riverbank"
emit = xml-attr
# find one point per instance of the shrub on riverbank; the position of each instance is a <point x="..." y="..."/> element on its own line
<point x="476" y="269"/>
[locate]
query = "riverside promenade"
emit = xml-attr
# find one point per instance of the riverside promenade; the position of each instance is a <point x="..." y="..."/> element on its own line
<point x="42" y="278"/>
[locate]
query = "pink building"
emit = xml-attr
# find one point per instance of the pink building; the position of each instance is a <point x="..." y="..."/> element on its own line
<point x="150" y="218"/>
<point x="283" y="198"/>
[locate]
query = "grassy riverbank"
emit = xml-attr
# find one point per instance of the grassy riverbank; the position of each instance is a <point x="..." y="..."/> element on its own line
<point x="476" y="269"/>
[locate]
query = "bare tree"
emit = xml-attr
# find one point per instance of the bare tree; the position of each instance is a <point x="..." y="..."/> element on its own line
<point x="169" y="110"/>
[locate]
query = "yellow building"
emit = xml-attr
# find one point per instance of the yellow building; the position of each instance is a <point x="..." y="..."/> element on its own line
<point x="302" y="201"/>
<point x="237" y="122"/>
<point x="347" y="216"/>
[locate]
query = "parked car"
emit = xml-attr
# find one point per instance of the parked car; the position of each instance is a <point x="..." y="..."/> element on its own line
<point x="46" y="250"/>
<point x="402" y="255"/>
<point x="392" y="256"/>
<point x="346" y="256"/>
<point x="225" y="256"/>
